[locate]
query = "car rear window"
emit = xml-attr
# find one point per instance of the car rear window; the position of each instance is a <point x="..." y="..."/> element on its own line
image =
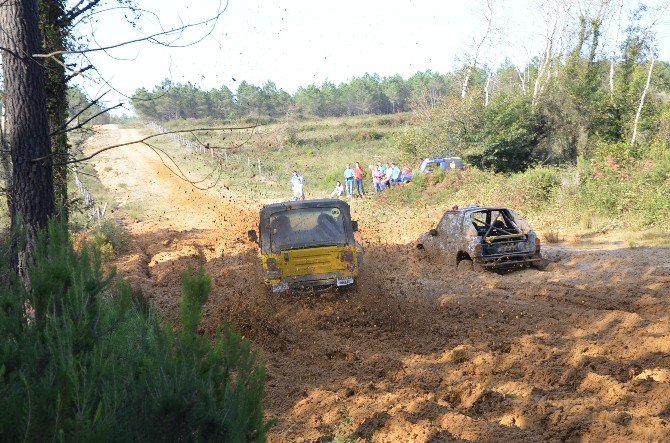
<point x="307" y="227"/>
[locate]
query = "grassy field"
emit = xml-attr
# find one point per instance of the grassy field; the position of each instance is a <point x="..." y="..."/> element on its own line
<point x="79" y="215"/>
<point x="318" y="149"/>
<point x="594" y="197"/>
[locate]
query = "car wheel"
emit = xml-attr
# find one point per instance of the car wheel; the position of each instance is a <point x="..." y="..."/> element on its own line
<point x="465" y="266"/>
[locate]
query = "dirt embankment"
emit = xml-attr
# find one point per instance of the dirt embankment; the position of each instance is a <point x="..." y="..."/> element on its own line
<point x="417" y="353"/>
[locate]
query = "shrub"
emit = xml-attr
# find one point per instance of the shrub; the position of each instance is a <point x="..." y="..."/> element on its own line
<point x="110" y="239"/>
<point x="331" y="177"/>
<point x="80" y="362"/>
<point x="615" y="150"/>
<point x="436" y="176"/>
<point x="365" y="135"/>
<point x="419" y="180"/>
<point x="541" y="184"/>
<point x="551" y="237"/>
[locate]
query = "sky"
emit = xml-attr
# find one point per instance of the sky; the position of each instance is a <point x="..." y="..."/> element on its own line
<point x="298" y="42"/>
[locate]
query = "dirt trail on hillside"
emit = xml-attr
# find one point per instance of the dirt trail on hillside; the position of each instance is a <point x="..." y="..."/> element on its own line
<point x="579" y="352"/>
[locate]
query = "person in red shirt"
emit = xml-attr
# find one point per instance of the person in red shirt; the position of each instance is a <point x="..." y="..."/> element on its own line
<point x="358" y="178"/>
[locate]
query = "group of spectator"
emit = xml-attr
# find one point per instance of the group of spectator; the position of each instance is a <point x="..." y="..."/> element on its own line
<point x="389" y="175"/>
<point x="383" y="177"/>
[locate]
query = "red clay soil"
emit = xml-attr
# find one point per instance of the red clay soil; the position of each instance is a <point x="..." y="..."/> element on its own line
<point x="418" y="353"/>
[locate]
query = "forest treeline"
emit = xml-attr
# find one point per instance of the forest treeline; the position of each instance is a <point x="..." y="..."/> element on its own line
<point x="581" y="103"/>
<point x="582" y="100"/>
<point x="368" y="94"/>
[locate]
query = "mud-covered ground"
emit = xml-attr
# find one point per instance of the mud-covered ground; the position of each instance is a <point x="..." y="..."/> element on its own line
<point x="417" y="352"/>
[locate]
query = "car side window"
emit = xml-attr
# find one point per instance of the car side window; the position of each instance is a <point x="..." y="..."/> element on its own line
<point x="445" y="225"/>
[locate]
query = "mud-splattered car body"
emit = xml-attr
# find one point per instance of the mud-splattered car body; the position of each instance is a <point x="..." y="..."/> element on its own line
<point x="491" y="237"/>
<point x="308" y="244"/>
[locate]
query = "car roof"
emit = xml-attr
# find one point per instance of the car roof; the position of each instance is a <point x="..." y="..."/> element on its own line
<point x="270" y="209"/>
<point x="430" y="159"/>
<point x="470" y="209"/>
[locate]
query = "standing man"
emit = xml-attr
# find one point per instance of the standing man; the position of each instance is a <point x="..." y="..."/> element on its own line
<point x="297" y="184"/>
<point x="349" y="180"/>
<point x="395" y="175"/>
<point x="358" y="178"/>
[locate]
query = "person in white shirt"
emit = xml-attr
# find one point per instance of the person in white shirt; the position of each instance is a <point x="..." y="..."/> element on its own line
<point x="338" y="191"/>
<point x="297" y="185"/>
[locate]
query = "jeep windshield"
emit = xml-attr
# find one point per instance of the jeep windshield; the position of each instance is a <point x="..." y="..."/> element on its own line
<point x="307" y="228"/>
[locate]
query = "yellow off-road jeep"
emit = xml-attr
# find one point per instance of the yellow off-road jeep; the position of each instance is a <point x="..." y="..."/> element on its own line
<point x="308" y="244"/>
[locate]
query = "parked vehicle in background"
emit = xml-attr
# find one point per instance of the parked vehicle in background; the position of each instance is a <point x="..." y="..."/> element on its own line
<point x="483" y="237"/>
<point x="308" y="244"/>
<point x="446" y="163"/>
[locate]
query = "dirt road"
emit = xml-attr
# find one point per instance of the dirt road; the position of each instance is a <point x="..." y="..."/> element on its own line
<point x="579" y="352"/>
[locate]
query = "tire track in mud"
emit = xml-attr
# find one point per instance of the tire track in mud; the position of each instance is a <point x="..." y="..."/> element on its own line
<point x="418" y="352"/>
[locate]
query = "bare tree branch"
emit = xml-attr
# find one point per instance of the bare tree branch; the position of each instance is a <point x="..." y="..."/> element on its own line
<point x="473" y="64"/>
<point x="74" y="117"/>
<point x="181" y="175"/>
<point x="80" y="125"/>
<point x="78" y="72"/>
<point x="151" y="38"/>
<point x="144" y="139"/>
<point x="75" y="11"/>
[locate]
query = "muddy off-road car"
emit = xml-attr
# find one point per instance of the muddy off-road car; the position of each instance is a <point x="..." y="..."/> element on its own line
<point x="308" y="245"/>
<point x="483" y="237"/>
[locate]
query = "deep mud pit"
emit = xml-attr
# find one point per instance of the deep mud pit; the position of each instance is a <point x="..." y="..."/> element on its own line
<point x="417" y="353"/>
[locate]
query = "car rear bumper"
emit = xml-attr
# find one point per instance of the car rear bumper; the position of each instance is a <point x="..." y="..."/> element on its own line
<point x="507" y="260"/>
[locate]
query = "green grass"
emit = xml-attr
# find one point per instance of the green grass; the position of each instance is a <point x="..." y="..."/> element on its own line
<point x="79" y="214"/>
<point x="318" y="149"/>
<point x="594" y="196"/>
<point x="136" y="211"/>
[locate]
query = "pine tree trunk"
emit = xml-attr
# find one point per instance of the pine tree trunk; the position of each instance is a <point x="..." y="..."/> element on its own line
<point x="52" y="14"/>
<point x="31" y="193"/>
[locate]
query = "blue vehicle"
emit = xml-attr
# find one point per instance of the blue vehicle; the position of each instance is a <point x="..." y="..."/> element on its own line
<point x="431" y="164"/>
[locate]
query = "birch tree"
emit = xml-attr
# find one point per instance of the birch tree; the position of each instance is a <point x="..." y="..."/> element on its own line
<point x="474" y="56"/>
<point x="633" y="138"/>
<point x="615" y="43"/>
<point x="556" y="27"/>
<point x="649" y="36"/>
